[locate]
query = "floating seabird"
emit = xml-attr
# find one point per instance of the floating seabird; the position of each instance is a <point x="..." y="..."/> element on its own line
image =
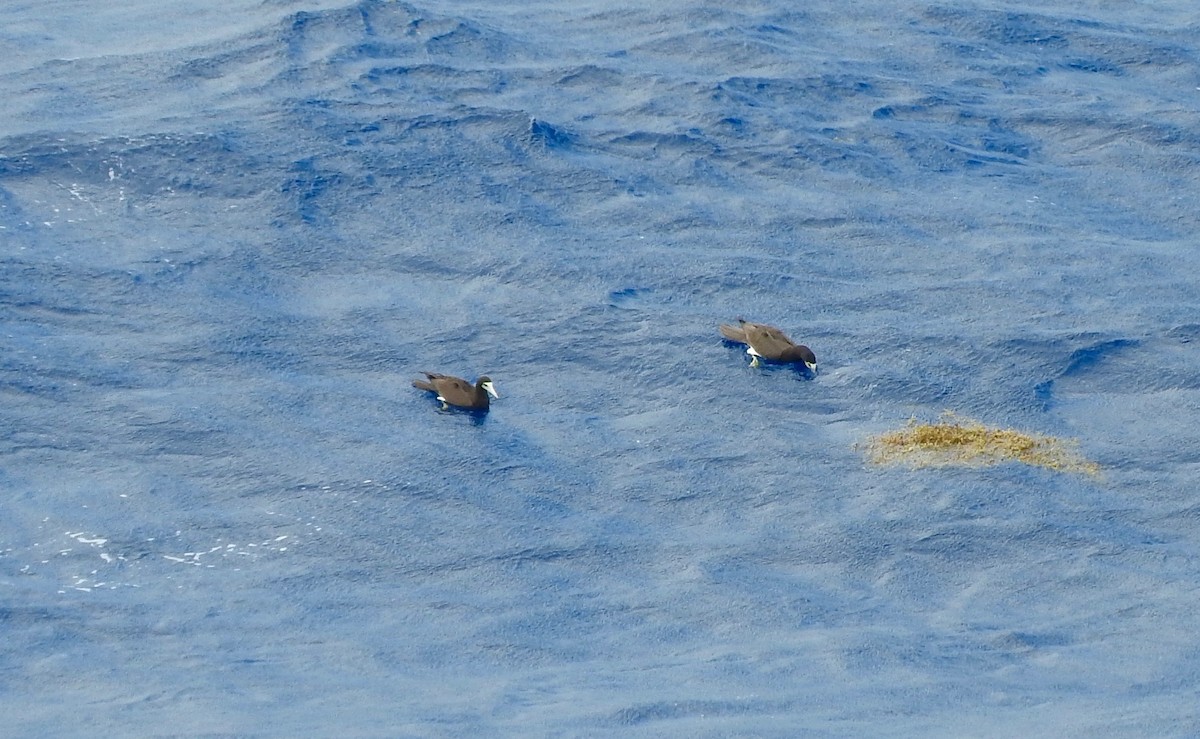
<point x="460" y="393"/>
<point x="769" y="343"/>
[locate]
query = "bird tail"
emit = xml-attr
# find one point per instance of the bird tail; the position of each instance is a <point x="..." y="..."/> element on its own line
<point x="733" y="333"/>
<point x="422" y="384"/>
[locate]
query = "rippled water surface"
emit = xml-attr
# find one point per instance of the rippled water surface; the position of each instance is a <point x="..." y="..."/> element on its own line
<point x="232" y="233"/>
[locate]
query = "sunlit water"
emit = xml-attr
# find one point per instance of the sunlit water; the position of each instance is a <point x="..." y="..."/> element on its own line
<point x="233" y="233"/>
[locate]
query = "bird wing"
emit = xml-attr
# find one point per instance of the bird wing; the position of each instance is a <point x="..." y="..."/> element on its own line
<point x="768" y="341"/>
<point x="454" y="390"/>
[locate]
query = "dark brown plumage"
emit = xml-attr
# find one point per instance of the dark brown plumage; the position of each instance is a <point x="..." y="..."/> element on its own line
<point x="768" y="343"/>
<point x="457" y="392"/>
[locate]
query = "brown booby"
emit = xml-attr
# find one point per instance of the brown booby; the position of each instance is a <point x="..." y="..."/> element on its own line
<point x="458" y="392"/>
<point x="769" y="343"/>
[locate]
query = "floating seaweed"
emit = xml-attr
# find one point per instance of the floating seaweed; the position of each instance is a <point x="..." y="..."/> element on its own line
<point x="955" y="440"/>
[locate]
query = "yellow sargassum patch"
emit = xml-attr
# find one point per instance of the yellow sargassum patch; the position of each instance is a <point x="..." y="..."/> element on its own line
<point x="954" y="440"/>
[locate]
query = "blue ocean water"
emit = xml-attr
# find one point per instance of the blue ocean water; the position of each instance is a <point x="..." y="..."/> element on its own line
<point x="232" y="234"/>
